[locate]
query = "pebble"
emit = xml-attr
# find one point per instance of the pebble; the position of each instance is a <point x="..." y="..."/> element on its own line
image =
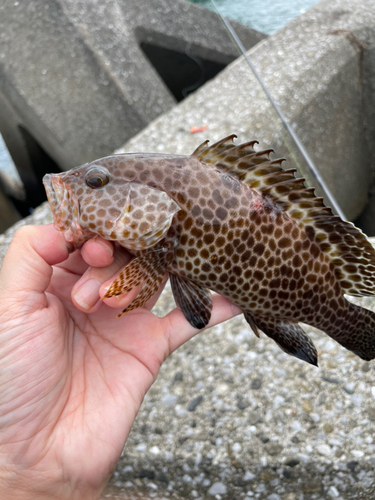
<point x="333" y="492"/>
<point x="349" y="388"/>
<point x="290" y="496"/>
<point x="253" y="417"/>
<point x="256" y="383"/>
<point x="141" y="447"/>
<point x="155" y="450"/>
<point x="315" y="417"/>
<point x="307" y="406"/>
<point x="249" y="476"/>
<point x="327" y="427"/>
<point x="366" y="367"/>
<point x="231" y="350"/>
<point x="357" y="399"/>
<point x="358" y="453"/>
<point x="178" y="377"/>
<point x="312" y="486"/>
<point x="242" y="405"/>
<point x="217" y="489"/>
<point x="273" y="449"/>
<point x="237" y="448"/>
<point x="296" y="426"/>
<point x="194" y="403"/>
<point x="278" y="401"/>
<point x="292" y="461"/>
<point x="321" y="399"/>
<point x="331" y="380"/>
<point x="147" y="473"/>
<point x="222" y="389"/>
<point x="324" y="449"/>
<point x="170" y="400"/>
<point x="330" y="346"/>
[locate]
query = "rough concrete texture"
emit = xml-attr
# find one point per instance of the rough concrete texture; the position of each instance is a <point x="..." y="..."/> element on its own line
<point x="318" y="69"/>
<point x="72" y="73"/>
<point x="231" y="417"/>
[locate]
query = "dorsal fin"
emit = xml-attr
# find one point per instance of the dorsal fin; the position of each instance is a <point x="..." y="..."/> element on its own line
<point x="349" y="250"/>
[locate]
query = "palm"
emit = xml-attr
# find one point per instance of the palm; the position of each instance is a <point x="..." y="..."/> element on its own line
<point x="93" y="378"/>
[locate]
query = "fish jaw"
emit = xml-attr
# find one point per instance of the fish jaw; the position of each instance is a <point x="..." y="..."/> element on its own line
<point x="65" y="210"/>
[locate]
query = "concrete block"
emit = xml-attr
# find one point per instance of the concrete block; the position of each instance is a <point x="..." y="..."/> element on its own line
<point x="318" y="68"/>
<point x="73" y="74"/>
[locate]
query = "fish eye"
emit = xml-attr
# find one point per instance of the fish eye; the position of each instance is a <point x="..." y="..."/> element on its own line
<point x="97" y="177"/>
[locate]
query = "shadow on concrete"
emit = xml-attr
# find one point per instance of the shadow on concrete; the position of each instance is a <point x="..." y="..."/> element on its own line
<point x="181" y="72"/>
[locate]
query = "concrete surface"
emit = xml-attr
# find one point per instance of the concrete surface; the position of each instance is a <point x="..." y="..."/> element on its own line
<point x="75" y="83"/>
<point x="319" y="69"/>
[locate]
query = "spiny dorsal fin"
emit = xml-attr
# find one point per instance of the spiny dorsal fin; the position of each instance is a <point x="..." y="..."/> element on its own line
<point x="213" y="154"/>
<point x="349" y="250"/>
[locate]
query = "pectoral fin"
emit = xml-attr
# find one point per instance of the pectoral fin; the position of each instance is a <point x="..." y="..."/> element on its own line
<point x="148" y="269"/>
<point x="193" y="300"/>
<point x="288" y="336"/>
<point x="253" y="326"/>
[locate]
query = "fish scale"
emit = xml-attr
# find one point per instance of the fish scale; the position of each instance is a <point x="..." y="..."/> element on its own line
<point x="227" y="219"/>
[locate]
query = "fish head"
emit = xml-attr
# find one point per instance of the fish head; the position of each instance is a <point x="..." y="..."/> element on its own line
<point x="102" y="198"/>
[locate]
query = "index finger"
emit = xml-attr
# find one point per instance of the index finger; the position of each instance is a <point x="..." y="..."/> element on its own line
<point x="98" y="252"/>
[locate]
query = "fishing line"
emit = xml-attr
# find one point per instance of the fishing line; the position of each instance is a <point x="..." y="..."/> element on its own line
<point x="288" y="128"/>
<point x="187" y="90"/>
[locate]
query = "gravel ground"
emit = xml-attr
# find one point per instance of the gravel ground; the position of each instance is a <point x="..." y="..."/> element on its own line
<point x="233" y="417"/>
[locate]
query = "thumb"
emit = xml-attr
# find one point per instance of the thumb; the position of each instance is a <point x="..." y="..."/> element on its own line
<point x="27" y="263"/>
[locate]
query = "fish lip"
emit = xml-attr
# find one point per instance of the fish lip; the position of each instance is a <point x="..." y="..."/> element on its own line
<point x="54" y="187"/>
<point x="48" y="186"/>
<point x="56" y="191"/>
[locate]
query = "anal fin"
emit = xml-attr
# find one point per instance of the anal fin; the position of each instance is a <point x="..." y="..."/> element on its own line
<point x="194" y="301"/>
<point x="288" y="336"/>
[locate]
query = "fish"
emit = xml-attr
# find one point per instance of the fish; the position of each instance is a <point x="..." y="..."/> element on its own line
<point x="227" y="219"/>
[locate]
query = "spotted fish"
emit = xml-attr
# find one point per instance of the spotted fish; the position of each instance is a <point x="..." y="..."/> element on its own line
<point x="228" y="219"/>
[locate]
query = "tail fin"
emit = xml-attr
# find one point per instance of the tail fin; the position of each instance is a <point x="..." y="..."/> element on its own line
<point x="355" y="330"/>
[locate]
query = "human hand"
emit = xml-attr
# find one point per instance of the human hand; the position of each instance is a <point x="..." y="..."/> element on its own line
<point x="72" y="376"/>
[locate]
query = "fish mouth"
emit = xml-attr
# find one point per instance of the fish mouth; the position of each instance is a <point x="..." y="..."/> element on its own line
<point x="54" y="196"/>
<point x="65" y="209"/>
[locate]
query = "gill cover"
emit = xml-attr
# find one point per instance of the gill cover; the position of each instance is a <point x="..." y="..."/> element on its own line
<point x="145" y="218"/>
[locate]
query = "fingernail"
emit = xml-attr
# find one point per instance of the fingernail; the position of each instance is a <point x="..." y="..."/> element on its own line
<point x="88" y="294"/>
<point x="101" y="242"/>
